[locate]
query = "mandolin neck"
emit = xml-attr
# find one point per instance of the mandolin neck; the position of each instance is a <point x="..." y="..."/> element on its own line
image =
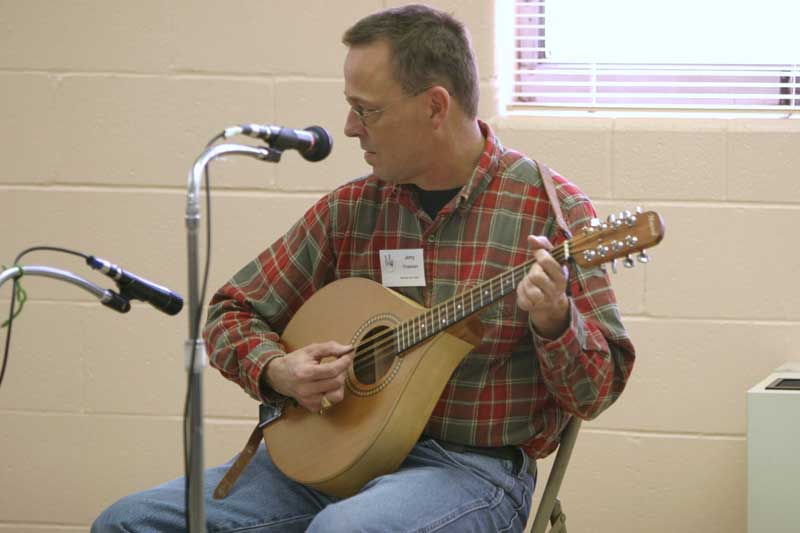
<point x="444" y="315"/>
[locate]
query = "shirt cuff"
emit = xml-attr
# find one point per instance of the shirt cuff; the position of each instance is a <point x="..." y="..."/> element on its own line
<point x="570" y="341"/>
<point x="265" y="393"/>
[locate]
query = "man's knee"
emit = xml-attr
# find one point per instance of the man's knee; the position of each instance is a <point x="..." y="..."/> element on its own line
<point x="110" y="521"/>
<point x="336" y="518"/>
<point x="136" y="512"/>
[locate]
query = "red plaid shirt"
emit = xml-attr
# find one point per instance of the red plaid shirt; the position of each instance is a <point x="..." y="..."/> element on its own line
<point x="514" y="387"/>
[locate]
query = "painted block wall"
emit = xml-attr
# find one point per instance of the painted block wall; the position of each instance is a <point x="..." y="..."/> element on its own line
<point x="106" y="104"/>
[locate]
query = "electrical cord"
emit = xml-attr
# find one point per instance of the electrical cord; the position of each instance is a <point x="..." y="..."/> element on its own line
<point x="187" y="449"/>
<point x="17" y="289"/>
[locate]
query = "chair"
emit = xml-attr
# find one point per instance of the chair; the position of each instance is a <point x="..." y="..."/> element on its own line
<point x="550" y="507"/>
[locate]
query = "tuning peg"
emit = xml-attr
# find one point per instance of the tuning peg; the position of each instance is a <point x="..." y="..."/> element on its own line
<point x="639" y="210"/>
<point x="614" y="266"/>
<point x="596" y="224"/>
<point x="643" y="257"/>
<point x="613" y="221"/>
<point x="628" y="218"/>
<point x="628" y="261"/>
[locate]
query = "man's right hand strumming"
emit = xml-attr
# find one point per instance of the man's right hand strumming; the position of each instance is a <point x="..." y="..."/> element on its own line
<point x="313" y="375"/>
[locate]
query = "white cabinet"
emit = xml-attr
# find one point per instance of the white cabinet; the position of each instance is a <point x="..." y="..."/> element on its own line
<point x="773" y="452"/>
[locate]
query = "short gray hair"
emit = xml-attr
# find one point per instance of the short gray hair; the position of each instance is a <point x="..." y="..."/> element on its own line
<point x="429" y="47"/>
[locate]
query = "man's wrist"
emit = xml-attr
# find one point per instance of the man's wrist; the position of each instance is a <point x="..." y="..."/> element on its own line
<point x="265" y="381"/>
<point x="554" y="324"/>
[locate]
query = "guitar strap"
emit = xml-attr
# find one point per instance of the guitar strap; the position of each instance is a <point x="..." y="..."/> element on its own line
<point x="550" y="189"/>
<point x="250" y="448"/>
<point x="244" y="458"/>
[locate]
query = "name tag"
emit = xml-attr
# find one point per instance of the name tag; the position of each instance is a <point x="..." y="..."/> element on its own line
<point x="402" y="268"/>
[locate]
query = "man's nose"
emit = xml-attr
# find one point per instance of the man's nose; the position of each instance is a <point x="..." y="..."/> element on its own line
<point x="352" y="125"/>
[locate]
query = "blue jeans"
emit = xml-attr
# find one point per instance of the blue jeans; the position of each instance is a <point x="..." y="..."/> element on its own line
<point x="434" y="490"/>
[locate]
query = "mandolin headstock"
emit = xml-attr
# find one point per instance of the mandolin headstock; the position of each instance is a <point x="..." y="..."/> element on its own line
<point x="619" y="236"/>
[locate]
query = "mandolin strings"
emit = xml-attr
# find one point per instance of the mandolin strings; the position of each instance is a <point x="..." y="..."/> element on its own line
<point x="386" y="344"/>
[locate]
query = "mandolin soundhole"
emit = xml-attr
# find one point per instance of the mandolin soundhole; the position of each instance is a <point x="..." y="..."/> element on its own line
<point x="373" y="358"/>
<point x="375" y="361"/>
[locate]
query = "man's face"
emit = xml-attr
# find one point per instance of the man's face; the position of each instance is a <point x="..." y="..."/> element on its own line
<point x="393" y="133"/>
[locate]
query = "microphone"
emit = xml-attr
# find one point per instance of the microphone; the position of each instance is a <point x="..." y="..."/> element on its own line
<point x="314" y="143"/>
<point x="134" y="287"/>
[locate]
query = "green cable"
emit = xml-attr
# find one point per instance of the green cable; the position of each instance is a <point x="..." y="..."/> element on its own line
<point x="21" y="297"/>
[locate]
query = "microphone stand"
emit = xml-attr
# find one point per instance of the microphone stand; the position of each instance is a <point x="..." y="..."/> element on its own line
<point x="197" y="353"/>
<point x="105" y="296"/>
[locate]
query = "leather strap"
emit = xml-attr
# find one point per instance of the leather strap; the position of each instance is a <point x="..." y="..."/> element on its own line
<point x="233" y="473"/>
<point x="550" y="189"/>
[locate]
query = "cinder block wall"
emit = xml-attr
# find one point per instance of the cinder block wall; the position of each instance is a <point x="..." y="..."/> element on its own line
<point x="106" y="104"/>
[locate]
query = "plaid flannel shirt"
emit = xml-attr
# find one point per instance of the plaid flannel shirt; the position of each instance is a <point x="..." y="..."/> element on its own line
<point x="514" y="388"/>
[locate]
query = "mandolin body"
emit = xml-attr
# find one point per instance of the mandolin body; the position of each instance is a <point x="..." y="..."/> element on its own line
<point x="373" y="429"/>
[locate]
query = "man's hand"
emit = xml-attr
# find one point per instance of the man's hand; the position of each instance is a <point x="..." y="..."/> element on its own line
<point x="542" y="292"/>
<point x="307" y="375"/>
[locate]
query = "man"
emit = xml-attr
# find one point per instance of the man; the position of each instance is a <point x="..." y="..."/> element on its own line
<point x="443" y="186"/>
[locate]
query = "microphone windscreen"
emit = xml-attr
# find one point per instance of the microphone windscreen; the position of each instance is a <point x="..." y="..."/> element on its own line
<point x="322" y="145"/>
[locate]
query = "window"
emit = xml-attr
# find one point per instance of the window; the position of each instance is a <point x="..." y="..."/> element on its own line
<point x="633" y="55"/>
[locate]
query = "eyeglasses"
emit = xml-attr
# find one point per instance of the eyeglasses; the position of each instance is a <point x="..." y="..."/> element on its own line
<point x="364" y="114"/>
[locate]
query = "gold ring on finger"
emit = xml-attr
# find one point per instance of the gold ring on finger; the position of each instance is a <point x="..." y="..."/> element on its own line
<point x="325" y="404"/>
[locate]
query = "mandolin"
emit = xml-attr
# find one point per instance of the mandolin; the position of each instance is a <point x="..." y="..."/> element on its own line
<point x="404" y="357"/>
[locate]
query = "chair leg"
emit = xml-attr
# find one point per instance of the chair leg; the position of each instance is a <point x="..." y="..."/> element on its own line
<point x="547" y="505"/>
<point x="558" y="520"/>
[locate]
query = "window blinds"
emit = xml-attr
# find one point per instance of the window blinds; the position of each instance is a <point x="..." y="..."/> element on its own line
<point x="542" y="81"/>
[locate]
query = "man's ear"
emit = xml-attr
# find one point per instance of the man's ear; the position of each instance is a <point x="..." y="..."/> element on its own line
<point x="440" y="102"/>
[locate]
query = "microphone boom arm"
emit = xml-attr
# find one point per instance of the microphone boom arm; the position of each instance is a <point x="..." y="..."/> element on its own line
<point x="195" y="175"/>
<point x="106" y="296"/>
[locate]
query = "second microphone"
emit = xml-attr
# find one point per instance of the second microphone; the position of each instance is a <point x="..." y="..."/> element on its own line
<point x="134" y="287"/>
